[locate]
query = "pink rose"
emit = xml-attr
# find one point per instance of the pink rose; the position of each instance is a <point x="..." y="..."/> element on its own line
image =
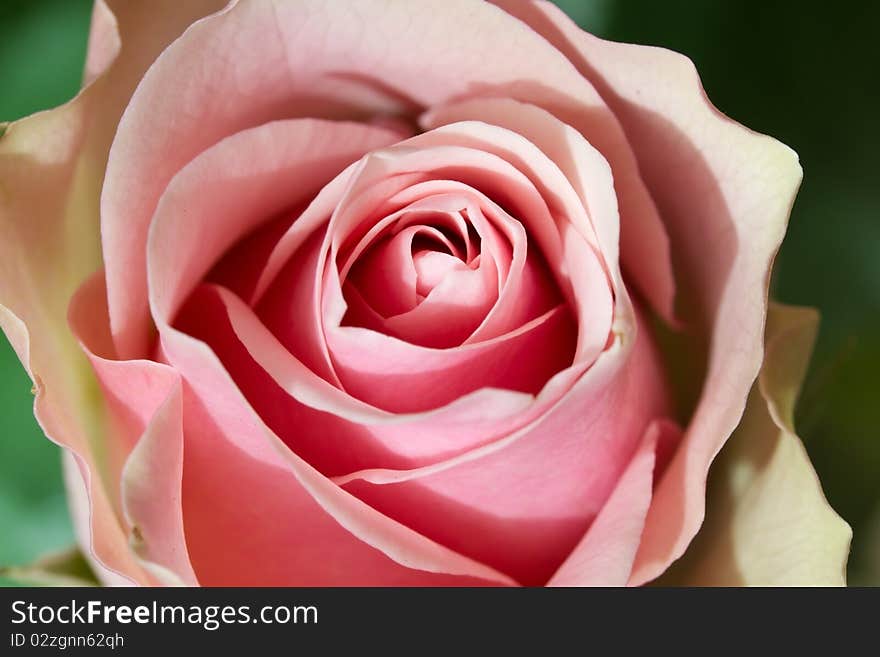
<point x="408" y="294"/>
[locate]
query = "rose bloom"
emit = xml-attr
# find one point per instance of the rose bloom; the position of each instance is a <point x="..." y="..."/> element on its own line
<point x="408" y="293"/>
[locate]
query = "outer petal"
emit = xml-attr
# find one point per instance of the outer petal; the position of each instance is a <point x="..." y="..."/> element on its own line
<point x="768" y="523"/>
<point x="51" y="166"/>
<point x="724" y="193"/>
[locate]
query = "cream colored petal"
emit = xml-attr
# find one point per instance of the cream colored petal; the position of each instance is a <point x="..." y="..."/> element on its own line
<point x="768" y="522"/>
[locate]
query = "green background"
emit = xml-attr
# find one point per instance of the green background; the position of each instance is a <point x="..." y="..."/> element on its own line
<point x="804" y="73"/>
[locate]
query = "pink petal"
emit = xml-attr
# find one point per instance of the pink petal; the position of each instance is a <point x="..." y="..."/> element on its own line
<point x="386" y="276"/>
<point x="290" y="309"/>
<point x="559" y="212"/>
<point x="409" y="378"/>
<point x="645" y="246"/>
<point x="432" y="267"/>
<point x="526" y="290"/>
<point x="586" y="171"/>
<point x="242" y="265"/>
<point x="293" y="528"/>
<point x="605" y="555"/>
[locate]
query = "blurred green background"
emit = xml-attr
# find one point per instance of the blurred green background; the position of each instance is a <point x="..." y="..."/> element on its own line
<point x="805" y="73"/>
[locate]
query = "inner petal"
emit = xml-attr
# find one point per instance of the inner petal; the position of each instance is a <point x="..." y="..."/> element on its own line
<point x="451" y="311"/>
<point x="432" y="267"/>
<point x="386" y="276"/>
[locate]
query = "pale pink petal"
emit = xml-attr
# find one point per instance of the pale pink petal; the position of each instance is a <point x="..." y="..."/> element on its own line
<point x="378" y="177"/>
<point x="586" y="170"/>
<point x="62" y="409"/>
<point x="409" y="378"/>
<point x="725" y="194"/>
<point x="517" y="287"/>
<point x="426" y="217"/>
<point x="451" y="312"/>
<point x="605" y="555"/>
<point x="527" y="288"/>
<point x="404" y="285"/>
<point x="515" y="148"/>
<point x="432" y="267"/>
<point x="293" y="528"/>
<point x="369" y="184"/>
<point x="386" y="275"/>
<point x="514" y="172"/>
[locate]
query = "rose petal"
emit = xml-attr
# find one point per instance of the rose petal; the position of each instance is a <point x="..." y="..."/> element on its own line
<point x="646" y="250"/>
<point x="239" y="183"/>
<point x="560" y="213"/>
<point x="586" y="171"/>
<point x="293" y="528"/>
<point x="104" y="43"/>
<point x="409" y="378"/>
<point x="525" y="289"/>
<point x="605" y="555"/>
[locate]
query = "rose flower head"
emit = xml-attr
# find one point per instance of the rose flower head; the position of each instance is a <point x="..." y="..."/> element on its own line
<point x="408" y="293"/>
